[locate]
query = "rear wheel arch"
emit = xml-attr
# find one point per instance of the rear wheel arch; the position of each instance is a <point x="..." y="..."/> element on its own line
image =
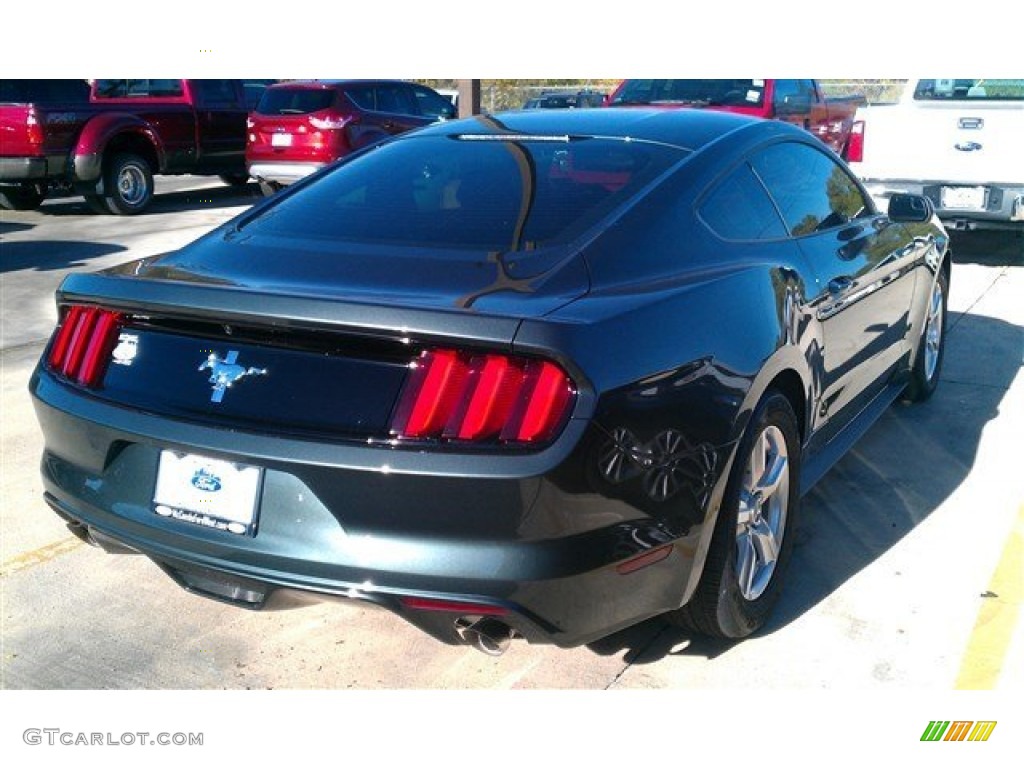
<point x="789" y="384"/>
<point x="134" y="144"/>
<point x="787" y="373"/>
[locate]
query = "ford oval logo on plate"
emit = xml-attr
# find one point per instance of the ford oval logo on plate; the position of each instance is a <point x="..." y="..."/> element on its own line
<point x="205" y="480"/>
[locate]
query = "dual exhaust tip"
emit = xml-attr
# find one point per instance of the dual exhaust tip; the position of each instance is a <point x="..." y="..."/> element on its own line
<point x="488" y="635"/>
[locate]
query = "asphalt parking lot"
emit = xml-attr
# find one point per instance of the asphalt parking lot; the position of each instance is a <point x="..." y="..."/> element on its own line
<point x="907" y="573"/>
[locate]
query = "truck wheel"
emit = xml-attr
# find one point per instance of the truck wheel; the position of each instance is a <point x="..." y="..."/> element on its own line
<point x="128" y="185"/>
<point x="24" y="197"/>
<point x="753" y="537"/>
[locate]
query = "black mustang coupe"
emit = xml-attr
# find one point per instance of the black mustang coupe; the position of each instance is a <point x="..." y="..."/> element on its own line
<point x="539" y="375"/>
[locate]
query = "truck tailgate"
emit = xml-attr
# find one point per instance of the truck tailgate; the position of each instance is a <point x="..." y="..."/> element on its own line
<point x="945" y="142"/>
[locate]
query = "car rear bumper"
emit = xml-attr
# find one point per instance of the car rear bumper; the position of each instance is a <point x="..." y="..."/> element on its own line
<point x="1002" y="204"/>
<point x="542" y="553"/>
<point x="282" y="173"/>
<point x="14" y="170"/>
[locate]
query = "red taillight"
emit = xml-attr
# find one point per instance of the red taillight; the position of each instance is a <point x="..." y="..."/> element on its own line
<point x="546" y="394"/>
<point x="855" y="144"/>
<point x="81" y="349"/>
<point x="478" y="398"/>
<point x="34" y="130"/>
<point x="330" y="121"/>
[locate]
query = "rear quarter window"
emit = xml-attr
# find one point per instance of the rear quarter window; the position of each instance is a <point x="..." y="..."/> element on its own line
<point x="738" y="208"/>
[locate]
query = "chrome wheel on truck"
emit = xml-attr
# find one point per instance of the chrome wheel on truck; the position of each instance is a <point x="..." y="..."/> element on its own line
<point x="128" y="185"/>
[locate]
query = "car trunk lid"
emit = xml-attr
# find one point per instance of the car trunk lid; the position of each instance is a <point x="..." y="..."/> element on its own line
<point x="269" y="339"/>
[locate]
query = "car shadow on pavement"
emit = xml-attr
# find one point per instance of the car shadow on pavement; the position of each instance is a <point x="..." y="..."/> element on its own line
<point x="166" y="202"/>
<point x="59" y="254"/>
<point x="897" y="475"/>
<point x="988" y="248"/>
<point x="7" y="227"/>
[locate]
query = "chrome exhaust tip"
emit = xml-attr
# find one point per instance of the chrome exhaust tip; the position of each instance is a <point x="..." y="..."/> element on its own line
<point x="487" y="635"/>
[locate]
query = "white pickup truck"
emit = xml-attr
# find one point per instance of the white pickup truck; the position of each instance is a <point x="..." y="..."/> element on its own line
<point x="958" y="142"/>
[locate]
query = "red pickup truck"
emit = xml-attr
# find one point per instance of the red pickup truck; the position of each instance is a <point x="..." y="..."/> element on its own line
<point x="107" y="141"/>
<point x="794" y="101"/>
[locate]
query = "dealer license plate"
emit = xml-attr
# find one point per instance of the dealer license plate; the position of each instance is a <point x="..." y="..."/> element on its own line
<point x="281" y="140"/>
<point x="208" y="492"/>
<point x="968" y="198"/>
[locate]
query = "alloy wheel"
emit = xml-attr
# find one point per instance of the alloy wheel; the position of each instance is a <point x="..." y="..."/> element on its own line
<point x="761" y="520"/>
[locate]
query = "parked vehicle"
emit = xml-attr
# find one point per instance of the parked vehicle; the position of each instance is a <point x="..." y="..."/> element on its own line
<point x="800" y="102"/>
<point x="566" y="100"/>
<point x="108" y="143"/>
<point x="544" y="374"/>
<point x="957" y="142"/>
<point x="299" y="127"/>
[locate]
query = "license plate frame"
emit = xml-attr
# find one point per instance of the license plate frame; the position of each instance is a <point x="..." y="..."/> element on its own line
<point x="212" y="493"/>
<point x="964" y="198"/>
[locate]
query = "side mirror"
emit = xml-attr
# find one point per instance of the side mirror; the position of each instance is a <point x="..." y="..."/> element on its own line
<point x="910" y="208"/>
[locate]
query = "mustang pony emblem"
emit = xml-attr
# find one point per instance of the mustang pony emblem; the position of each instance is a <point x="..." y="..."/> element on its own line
<point x="224" y="373"/>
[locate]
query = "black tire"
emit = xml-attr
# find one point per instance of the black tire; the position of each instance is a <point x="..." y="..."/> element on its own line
<point x="24" y="197"/>
<point x="235" y="179"/>
<point x="127" y="185"/>
<point x="722" y="606"/>
<point x="931" y="349"/>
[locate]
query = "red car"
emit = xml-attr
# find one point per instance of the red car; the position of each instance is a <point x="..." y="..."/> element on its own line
<point x="301" y="126"/>
<point x="800" y="102"/>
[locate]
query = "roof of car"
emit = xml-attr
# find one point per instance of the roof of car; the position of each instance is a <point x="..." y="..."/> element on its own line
<point x="688" y="128"/>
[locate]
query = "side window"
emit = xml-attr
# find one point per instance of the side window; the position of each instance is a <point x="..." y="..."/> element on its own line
<point x="165" y="88"/>
<point x="362" y="97"/>
<point x="810" y="189"/>
<point x="431" y="104"/>
<point x="738" y="208"/>
<point x="393" y="98"/>
<point x="215" y="92"/>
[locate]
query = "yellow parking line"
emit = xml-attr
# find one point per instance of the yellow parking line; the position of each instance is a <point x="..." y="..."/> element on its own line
<point x="990" y="639"/>
<point x="40" y="555"/>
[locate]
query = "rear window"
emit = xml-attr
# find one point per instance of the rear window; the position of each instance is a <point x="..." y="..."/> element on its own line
<point x="969" y="90"/>
<point x="464" y="193"/>
<point x="278" y="102"/>
<point x="44" y="91"/>
<point x="138" y="89"/>
<point x="699" y="93"/>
